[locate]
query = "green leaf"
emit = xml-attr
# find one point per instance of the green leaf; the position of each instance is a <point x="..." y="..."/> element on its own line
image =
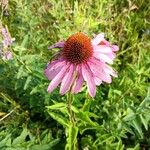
<point x="130" y="115"/>
<point x="83" y="127"/>
<point x="90" y="114"/>
<point x="103" y="138"/>
<point x="75" y="109"/>
<point x="120" y="146"/>
<point x="62" y="107"/>
<point x="137" y="147"/>
<point x="45" y="146"/>
<point x="37" y="88"/>
<point x="59" y="118"/>
<point x="20" y="139"/>
<point x="28" y="80"/>
<point x="87" y="105"/>
<point x="21" y="72"/>
<point x="5" y="141"/>
<point x="56" y="106"/>
<point x="85" y="117"/>
<point x="137" y="126"/>
<point x="25" y="41"/>
<point x="117" y="92"/>
<point x="146" y="101"/>
<point x="144" y="121"/>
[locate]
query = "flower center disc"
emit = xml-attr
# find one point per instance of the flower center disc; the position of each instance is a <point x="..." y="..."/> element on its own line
<point x="78" y="48"/>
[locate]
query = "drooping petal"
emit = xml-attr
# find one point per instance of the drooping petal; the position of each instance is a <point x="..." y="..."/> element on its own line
<point x="54" y="68"/>
<point x="58" y="78"/>
<point x="52" y="73"/>
<point x="102" y="49"/>
<point x="98" y="39"/>
<point x="59" y="44"/>
<point x="67" y="80"/>
<point x="106" y="43"/>
<point x="79" y="81"/>
<point x="98" y="72"/>
<point x="103" y="57"/>
<point x="107" y="69"/>
<point x="88" y="77"/>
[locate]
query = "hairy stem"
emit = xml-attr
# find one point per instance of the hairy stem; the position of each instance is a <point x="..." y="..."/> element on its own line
<point x="72" y="130"/>
<point x="71" y="114"/>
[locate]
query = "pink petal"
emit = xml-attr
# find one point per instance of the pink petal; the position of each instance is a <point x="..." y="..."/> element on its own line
<point x="103" y="57"/>
<point x="7" y="55"/>
<point x="59" y="44"/>
<point x="102" y="49"/>
<point x="98" y="39"/>
<point x="115" y="48"/>
<point x="98" y="72"/>
<point x="109" y="70"/>
<point x="88" y="77"/>
<point x="50" y="64"/>
<point x="79" y="81"/>
<point x="112" y="55"/>
<point x="58" y="78"/>
<point x="105" y="42"/>
<point x="67" y="80"/>
<point x="53" y="68"/>
<point x="97" y="81"/>
<point x="52" y="73"/>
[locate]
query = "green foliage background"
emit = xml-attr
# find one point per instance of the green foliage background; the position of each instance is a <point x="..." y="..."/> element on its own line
<point x="118" y="118"/>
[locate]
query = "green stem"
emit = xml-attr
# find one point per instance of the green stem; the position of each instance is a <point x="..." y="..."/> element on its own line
<point x="71" y="114"/>
<point x="72" y="130"/>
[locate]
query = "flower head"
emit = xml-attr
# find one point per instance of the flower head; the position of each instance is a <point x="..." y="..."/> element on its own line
<point x="7" y="55"/>
<point x="81" y="60"/>
<point x="7" y="41"/>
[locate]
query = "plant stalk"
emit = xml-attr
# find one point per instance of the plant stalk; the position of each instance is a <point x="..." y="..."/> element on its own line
<point x="71" y="114"/>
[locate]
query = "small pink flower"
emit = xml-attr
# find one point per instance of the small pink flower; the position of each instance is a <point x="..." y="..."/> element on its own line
<point x="7" y="55"/>
<point x="81" y="60"/>
<point x="7" y="40"/>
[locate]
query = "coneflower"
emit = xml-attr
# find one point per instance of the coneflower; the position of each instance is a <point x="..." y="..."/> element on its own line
<point x="81" y="60"/>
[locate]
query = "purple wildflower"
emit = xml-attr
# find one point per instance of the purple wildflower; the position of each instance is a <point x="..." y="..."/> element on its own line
<point x="80" y="60"/>
<point x="7" y="55"/>
<point x="7" y="41"/>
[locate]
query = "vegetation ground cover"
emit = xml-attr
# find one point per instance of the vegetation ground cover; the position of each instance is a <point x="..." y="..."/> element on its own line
<point x="117" y="118"/>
